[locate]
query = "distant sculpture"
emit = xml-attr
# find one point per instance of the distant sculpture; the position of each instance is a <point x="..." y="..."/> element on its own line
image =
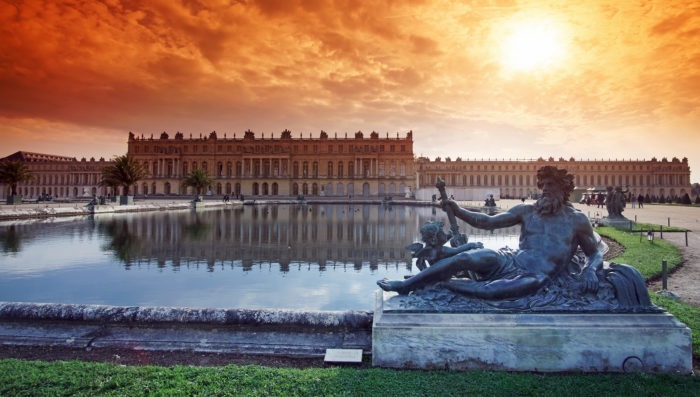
<point x="490" y="201"/>
<point x="551" y="233"/>
<point x="615" y="202"/>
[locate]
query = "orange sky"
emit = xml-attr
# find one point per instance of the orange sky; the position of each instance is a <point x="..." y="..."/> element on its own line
<point x="474" y="79"/>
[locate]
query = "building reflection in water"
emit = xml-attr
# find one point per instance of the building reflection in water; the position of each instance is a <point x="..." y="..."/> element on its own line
<point x="322" y="236"/>
<point x="289" y="235"/>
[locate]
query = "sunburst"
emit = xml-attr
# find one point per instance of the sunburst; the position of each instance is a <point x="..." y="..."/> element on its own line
<point x="532" y="43"/>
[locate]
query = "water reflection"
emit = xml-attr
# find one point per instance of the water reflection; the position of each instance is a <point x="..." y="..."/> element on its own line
<point x="11" y="240"/>
<point x="322" y="236"/>
<point x="311" y="257"/>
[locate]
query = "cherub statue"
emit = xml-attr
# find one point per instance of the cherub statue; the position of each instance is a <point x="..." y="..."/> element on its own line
<point x="433" y="247"/>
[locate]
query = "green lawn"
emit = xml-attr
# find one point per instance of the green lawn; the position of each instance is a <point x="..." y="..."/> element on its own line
<point x="640" y="253"/>
<point x="32" y="378"/>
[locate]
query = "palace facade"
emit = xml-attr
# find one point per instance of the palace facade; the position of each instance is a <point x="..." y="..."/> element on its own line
<point x="335" y="166"/>
<point x="282" y="166"/>
<point x="58" y="176"/>
<point x="517" y="178"/>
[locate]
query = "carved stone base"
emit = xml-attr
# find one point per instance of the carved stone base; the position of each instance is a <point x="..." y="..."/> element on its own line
<point x="541" y="342"/>
<point x="619" y="222"/>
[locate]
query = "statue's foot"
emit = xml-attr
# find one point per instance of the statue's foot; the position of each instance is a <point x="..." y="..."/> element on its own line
<point x="396" y="286"/>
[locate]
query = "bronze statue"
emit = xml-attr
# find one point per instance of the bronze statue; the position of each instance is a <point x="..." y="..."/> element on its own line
<point x="551" y="232"/>
<point x="615" y="201"/>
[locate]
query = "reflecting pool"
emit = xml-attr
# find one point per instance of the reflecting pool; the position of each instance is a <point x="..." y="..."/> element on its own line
<point x="301" y="257"/>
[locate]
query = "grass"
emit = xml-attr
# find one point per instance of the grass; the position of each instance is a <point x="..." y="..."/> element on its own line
<point x="643" y="255"/>
<point x="76" y="378"/>
<point x="636" y="227"/>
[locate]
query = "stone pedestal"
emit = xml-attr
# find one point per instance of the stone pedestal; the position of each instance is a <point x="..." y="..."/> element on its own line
<point x="126" y="200"/>
<point x="619" y="222"/>
<point x="14" y="199"/>
<point x="541" y="342"/>
<point x="198" y="205"/>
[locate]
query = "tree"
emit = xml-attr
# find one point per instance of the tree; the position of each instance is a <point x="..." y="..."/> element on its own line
<point x="124" y="172"/>
<point x="198" y="179"/>
<point x="13" y="173"/>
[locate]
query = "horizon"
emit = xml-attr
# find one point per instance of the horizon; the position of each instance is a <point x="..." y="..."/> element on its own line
<point x="506" y="80"/>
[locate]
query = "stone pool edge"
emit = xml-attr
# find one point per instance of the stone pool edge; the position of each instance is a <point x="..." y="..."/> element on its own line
<point x="212" y="330"/>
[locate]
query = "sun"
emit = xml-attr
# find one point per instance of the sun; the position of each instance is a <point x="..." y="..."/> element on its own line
<point x="530" y="44"/>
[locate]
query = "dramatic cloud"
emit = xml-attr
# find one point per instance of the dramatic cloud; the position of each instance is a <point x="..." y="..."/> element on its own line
<point x="499" y="79"/>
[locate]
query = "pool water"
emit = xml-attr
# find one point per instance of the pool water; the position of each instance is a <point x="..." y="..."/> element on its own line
<point x="300" y="257"/>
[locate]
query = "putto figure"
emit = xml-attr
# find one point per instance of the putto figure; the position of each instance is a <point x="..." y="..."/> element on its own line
<point x="551" y="232"/>
<point x="433" y="247"/>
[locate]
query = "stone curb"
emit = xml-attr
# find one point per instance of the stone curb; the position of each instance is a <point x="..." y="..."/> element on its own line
<point x="17" y="311"/>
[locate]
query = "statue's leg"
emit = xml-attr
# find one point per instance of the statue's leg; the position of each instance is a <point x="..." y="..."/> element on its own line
<point x="479" y="260"/>
<point x="497" y="289"/>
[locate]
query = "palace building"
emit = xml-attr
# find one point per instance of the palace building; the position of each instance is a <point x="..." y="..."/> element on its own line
<point x="282" y="166"/>
<point x="58" y="176"/>
<point x="474" y="179"/>
<point x="355" y="166"/>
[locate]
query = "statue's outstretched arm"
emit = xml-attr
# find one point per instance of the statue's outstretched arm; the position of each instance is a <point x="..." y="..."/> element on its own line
<point x="450" y="251"/>
<point x="485" y="221"/>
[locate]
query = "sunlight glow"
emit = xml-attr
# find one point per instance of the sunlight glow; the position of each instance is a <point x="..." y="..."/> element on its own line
<point x="532" y="44"/>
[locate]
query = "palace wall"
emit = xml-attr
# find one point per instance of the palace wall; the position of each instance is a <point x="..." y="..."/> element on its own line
<point x="358" y="166"/>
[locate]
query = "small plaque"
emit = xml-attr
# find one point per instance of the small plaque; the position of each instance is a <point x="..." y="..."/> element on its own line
<point x="347" y="356"/>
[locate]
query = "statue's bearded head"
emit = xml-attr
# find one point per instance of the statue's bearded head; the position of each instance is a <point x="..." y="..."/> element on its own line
<point x="556" y="186"/>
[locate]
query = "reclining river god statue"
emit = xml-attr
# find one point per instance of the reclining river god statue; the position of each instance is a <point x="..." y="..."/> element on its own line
<point x="557" y="266"/>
